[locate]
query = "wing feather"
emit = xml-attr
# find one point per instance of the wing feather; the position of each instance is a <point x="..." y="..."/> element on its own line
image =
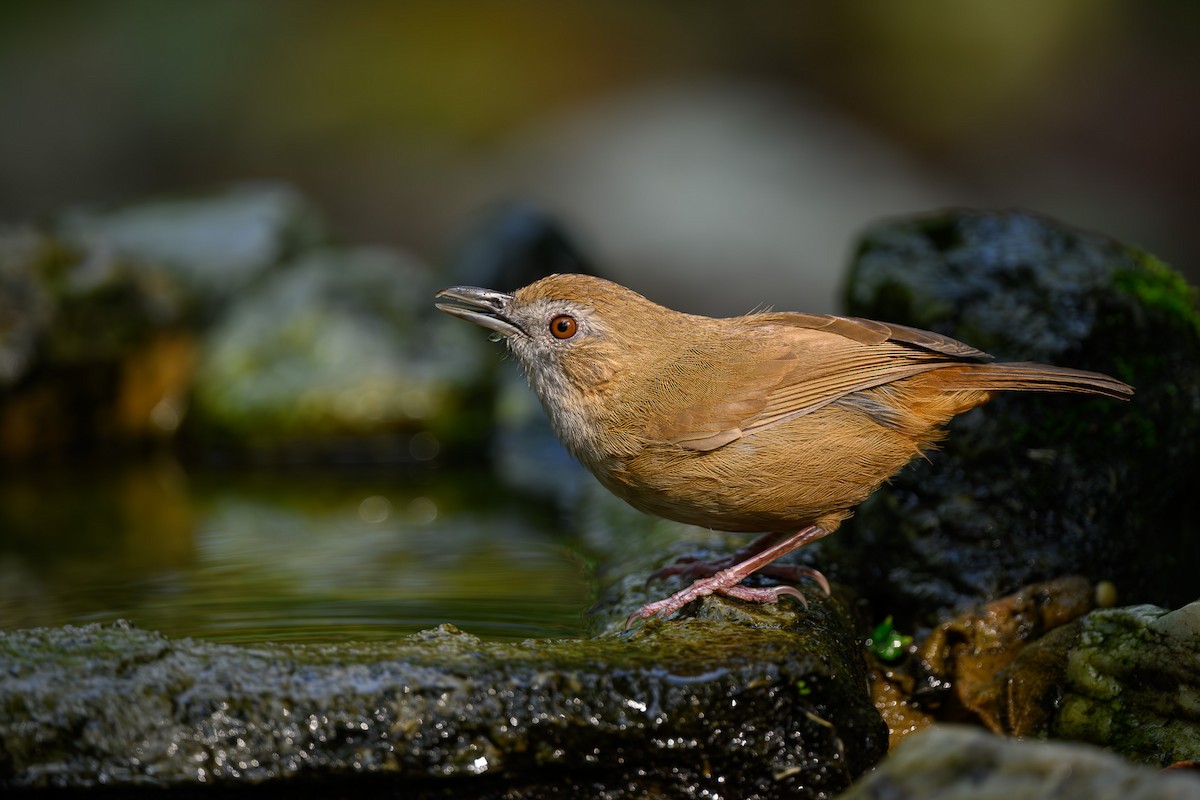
<point x="869" y="331"/>
<point x="801" y="362"/>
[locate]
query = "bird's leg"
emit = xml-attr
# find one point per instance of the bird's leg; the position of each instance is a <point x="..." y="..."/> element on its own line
<point x="726" y="581"/>
<point x="696" y="567"/>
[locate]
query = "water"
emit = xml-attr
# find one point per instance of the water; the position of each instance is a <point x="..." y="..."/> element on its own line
<point x="283" y="555"/>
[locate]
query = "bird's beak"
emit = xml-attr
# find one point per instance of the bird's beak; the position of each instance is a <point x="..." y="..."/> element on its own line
<point x="482" y="306"/>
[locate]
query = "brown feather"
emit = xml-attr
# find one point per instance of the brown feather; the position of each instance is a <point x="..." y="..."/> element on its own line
<point x="769" y="421"/>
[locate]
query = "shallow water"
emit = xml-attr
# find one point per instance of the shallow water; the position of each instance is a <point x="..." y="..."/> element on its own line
<point x="283" y="554"/>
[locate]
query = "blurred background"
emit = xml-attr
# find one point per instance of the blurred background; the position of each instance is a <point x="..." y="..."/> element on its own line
<point x="673" y="139"/>
<point x="227" y="407"/>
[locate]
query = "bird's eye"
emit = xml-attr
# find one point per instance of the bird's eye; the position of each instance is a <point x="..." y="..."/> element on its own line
<point x="563" y="326"/>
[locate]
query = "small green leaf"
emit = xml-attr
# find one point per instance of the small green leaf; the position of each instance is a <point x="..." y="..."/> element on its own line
<point x="887" y="643"/>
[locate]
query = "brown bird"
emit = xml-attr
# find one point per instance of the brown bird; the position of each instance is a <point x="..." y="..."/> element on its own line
<point x="772" y="422"/>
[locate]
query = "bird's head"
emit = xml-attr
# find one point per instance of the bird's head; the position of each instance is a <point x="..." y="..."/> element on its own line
<point x="572" y="333"/>
<point x="585" y="343"/>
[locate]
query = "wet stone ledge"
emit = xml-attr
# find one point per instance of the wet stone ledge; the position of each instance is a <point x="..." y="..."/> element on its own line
<point x="947" y="762"/>
<point x="706" y="706"/>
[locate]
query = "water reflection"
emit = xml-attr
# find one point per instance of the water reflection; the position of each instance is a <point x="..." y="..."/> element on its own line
<point x="282" y="556"/>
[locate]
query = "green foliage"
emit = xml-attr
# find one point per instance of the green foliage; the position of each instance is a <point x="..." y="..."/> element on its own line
<point x="888" y="644"/>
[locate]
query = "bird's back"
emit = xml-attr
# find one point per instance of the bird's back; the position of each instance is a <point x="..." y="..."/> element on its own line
<point x="778" y="421"/>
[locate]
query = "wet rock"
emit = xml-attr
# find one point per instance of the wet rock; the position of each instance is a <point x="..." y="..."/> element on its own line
<point x="955" y="673"/>
<point x="964" y="654"/>
<point x="948" y="761"/>
<point x="1033" y="487"/>
<point x="1125" y="678"/>
<point x="669" y="711"/>
<point x="631" y="547"/>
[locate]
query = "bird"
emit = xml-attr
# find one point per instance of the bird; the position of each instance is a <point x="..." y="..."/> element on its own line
<point x="777" y="423"/>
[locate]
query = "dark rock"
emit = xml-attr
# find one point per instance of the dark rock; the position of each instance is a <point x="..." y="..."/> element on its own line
<point x="505" y="248"/>
<point x="673" y="710"/>
<point x="1032" y="487"/>
<point x="512" y="245"/>
<point x="951" y="761"/>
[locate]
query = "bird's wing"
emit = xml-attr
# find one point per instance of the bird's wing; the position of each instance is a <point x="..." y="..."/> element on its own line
<point x="782" y="366"/>
<point x="869" y="331"/>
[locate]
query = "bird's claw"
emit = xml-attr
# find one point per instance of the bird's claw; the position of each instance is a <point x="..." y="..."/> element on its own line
<point x="728" y="583"/>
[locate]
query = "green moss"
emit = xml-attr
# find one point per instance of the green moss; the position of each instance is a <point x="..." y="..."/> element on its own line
<point x="1129" y="681"/>
<point x="1157" y="286"/>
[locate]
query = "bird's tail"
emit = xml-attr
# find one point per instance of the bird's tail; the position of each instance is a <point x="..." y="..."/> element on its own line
<point x="1033" y="377"/>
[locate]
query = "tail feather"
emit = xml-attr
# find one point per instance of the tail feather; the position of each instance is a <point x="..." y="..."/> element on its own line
<point x="1030" y="376"/>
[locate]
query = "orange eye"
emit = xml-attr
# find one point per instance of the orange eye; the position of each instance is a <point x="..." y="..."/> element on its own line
<point x="563" y="326"/>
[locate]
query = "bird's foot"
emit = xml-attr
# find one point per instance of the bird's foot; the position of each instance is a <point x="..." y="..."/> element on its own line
<point x="696" y="567"/>
<point x="728" y="583"/>
<point x="700" y="568"/>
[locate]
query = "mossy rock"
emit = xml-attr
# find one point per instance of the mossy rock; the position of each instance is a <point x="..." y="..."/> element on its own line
<point x="685" y="709"/>
<point x="1032" y="487"/>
